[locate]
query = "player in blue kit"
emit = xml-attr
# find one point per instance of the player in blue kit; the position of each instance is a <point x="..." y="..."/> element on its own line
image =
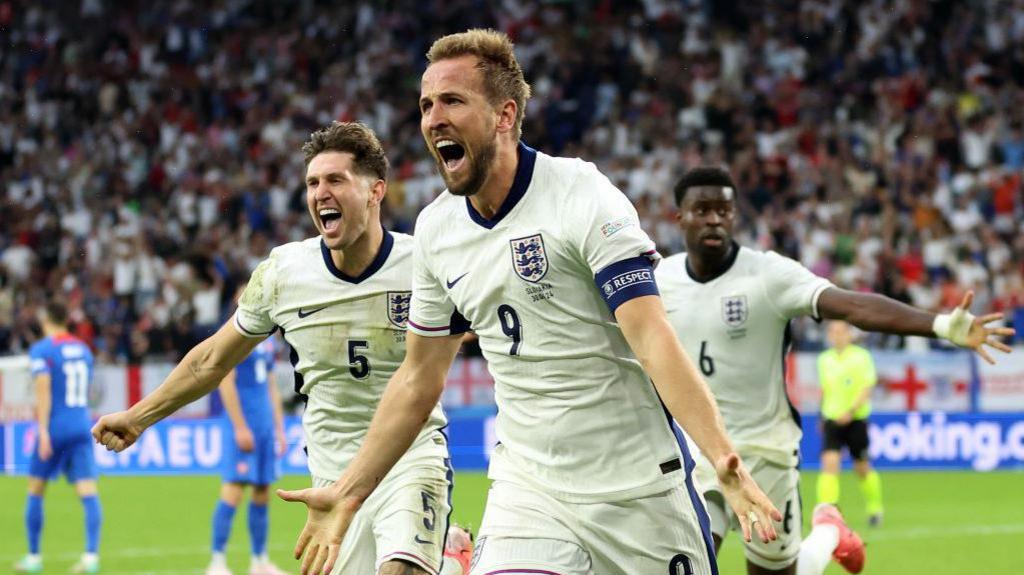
<point x="253" y="438"/>
<point x="62" y="368"/>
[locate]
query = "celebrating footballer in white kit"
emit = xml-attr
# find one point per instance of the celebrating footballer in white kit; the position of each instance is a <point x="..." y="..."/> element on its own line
<point x="341" y="300"/>
<point x="731" y="307"/>
<point x="545" y="259"/>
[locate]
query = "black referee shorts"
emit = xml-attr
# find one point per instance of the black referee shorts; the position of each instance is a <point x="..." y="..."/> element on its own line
<point x="853" y="435"/>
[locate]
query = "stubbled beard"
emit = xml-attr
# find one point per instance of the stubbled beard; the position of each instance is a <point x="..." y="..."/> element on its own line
<point x="478" y="172"/>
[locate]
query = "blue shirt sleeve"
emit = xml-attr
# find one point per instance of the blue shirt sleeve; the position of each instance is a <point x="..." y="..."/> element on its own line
<point x="625" y="280"/>
<point x="38" y="361"/>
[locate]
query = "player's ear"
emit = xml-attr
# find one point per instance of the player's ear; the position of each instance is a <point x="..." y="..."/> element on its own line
<point x="507" y="116"/>
<point x="377" y="191"/>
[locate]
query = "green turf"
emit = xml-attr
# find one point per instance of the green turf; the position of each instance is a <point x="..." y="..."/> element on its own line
<point x="936" y="523"/>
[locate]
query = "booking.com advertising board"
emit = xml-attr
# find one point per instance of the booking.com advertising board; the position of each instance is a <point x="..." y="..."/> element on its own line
<point x="928" y="440"/>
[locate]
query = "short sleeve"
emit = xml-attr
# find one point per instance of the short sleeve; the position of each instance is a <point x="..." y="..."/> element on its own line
<point x="38" y="363"/>
<point x="253" y="319"/>
<point x="793" y="289"/>
<point x="610" y="240"/>
<point x="870" y="377"/>
<point x="607" y="224"/>
<point x="431" y="312"/>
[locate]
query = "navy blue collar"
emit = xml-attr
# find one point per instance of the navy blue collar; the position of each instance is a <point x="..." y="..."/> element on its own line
<point x="524" y="174"/>
<point x="382" y="256"/>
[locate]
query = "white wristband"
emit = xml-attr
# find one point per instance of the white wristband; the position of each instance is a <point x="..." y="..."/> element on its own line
<point x="954" y="326"/>
<point x="941" y="325"/>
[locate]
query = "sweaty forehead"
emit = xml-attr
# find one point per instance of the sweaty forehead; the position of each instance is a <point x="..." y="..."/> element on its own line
<point x="710" y="194"/>
<point x="457" y="74"/>
<point x="329" y="163"/>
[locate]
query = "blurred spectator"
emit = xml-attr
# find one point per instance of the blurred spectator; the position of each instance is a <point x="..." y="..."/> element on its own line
<point x="149" y="150"/>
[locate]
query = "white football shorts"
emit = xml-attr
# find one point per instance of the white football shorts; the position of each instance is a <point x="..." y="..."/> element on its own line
<point x="527" y="531"/>
<point x="781" y="485"/>
<point x="405" y="518"/>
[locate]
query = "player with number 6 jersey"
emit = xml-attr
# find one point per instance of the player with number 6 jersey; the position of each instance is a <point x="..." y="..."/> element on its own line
<point x="736" y="327"/>
<point x="731" y="307"/>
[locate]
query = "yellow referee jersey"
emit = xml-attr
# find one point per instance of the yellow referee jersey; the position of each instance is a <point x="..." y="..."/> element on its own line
<point x="843" y="376"/>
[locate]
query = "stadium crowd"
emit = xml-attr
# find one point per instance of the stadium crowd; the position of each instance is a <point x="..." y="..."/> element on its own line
<point x="149" y="150"/>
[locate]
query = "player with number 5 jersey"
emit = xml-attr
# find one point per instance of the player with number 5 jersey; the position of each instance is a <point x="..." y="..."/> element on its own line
<point x="341" y="300"/>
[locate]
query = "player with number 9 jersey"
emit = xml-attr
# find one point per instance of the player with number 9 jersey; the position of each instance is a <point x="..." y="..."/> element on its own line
<point x="545" y="259"/>
<point x="579" y="422"/>
<point x="525" y="280"/>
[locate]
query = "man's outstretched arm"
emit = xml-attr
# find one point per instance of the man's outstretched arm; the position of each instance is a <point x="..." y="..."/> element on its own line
<point x="198" y="373"/>
<point x="409" y="398"/>
<point x="876" y="312"/>
<point x="688" y="399"/>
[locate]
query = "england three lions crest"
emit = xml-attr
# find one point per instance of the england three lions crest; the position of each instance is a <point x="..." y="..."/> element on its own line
<point x="398" y="307"/>
<point x="735" y="310"/>
<point x="528" y="258"/>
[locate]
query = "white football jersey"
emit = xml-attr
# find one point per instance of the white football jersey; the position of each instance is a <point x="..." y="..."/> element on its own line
<point x="735" y="327"/>
<point x="347" y="337"/>
<point x="577" y="416"/>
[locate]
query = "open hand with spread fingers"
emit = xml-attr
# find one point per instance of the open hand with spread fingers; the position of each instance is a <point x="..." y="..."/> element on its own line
<point x="970" y="332"/>
<point x="328" y="518"/>
<point x="752" y="507"/>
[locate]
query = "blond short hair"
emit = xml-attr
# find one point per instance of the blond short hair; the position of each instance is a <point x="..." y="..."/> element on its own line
<point x="503" y="78"/>
<point x="368" y="156"/>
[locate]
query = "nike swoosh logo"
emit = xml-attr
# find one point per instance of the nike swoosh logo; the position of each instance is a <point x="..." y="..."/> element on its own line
<point x="417" y="539"/>
<point x="452" y="283"/>
<point x="311" y="312"/>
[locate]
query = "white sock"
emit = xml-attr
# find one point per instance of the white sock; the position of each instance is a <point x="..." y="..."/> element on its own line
<point x="90" y="558"/>
<point x="34" y="557"/>
<point x="816" y="550"/>
<point x="218" y="559"/>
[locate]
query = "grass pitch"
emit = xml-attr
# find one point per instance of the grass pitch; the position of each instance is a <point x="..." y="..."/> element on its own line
<point x="936" y="523"/>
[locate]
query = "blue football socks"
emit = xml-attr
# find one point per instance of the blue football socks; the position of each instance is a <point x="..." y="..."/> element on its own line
<point x="258" y="522"/>
<point x="223" y="515"/>
<point x="34" y="522"/>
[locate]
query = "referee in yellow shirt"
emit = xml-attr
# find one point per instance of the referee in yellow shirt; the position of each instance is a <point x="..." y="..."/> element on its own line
<point x="847" y="376"/>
